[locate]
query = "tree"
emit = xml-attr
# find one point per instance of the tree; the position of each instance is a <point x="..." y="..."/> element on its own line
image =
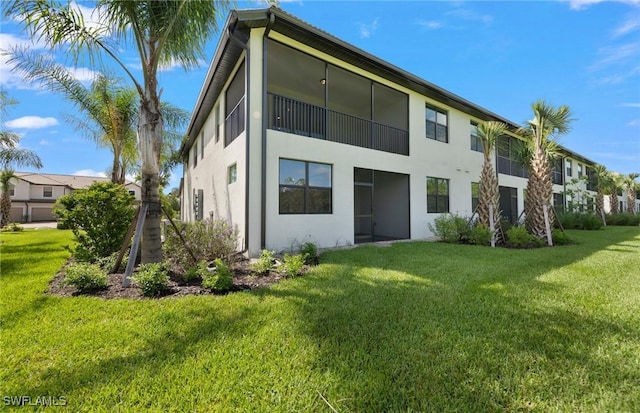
<point x="615" y="186"/>
<point x="603" y="182"/>
<point x="488" y="191"/>
<point x="11" y="155"/>
<point x="631" y="185"/>
<point x="162" y="32"/>
<point x="540" y="132"/>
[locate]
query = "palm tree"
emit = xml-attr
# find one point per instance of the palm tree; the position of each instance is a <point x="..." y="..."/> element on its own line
<point x="631" y="185"/>
<point x="489" y="193"/>
<point x="539" y="133"/>
<point x="615" y="186"/>
<point x="11" y="155"/>
<point x="603" y="178"/>
<point x="162" y="32"/>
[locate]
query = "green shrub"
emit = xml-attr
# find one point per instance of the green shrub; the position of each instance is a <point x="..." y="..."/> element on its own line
<point x="292" y="265"/>
<point x="152" y="279"/>
<point x="99" y="217"/>
<point x="107" y="263"/>
<point x="12" y="227"/>
<point x="309" y="251"/>
<point x="86" y="277"/>
<point x="560" y="238"/>
<point x="220" y="280"/>
<point x="569" y="220"/>
<point x="623" y="219"/>
<point x="450" y="228"/>
<point x="590" y="222"/>
<point x="199" y="271"/>
<point x="264" y="263"/>
<point x="207" y="240"/>
<point x="480" y="235"/>
<point x="518" y="237"/>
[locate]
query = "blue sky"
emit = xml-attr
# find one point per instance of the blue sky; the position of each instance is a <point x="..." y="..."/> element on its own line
<point x="500" y="55"/>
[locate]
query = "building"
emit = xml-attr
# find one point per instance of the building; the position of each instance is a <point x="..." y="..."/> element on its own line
<point x="298" y="136"/>
<point x="34" y="193"/>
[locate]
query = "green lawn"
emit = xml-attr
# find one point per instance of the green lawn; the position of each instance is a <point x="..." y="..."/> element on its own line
<point x="412" y="327"/>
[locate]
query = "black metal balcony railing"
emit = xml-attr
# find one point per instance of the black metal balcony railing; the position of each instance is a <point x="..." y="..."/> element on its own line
<point x="234" y="123"/>
<point x="304" y="119"/>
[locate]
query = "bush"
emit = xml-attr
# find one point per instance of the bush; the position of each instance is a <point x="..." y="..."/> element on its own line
<point x="152" y="278"/>
<point x="207" y="240"/>
<point x="292" y="265"/>
<point x="450" y="228"/>
<point x="99" y="217"/>
<point x="560" y="238"/>
<point x="590" y="222"/>
<point x="107" y="263"/>
<point x="569" y="220"/>
<point x="264" y="263"/>
<point x="12" y="227"/>
<point x="86" y="277"/>
<point x="220" y="280"/>
<point x="518" y="237"/>
<point x="201" y="270"/>
<point x="623" y="219"/>
<point x="309" y="251"/>
<point x="480" y="235"/>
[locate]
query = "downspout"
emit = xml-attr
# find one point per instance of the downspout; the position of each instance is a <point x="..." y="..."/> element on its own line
<point x="246" y="130"/>
<point x="265" y="103"/>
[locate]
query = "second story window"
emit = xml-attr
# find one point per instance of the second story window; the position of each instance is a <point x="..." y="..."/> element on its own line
<point x="569" y="168"/>
<point x="47" y="192"/>
<point x="437" y="128"/>
<point x="580" y="171"/>
<point x="476" y="142"/>
<point x="12" y="190"/>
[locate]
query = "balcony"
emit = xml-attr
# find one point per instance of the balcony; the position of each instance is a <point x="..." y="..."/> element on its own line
<point x="234" y="123"/>
<point x="300" y="118"/>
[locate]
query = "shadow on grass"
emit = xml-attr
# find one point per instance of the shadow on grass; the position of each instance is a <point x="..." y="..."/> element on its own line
<point x="415" y="326"/>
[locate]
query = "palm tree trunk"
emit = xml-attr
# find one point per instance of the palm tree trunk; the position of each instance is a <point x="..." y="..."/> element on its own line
<point x="614" y="202"/>
<point x="150" y="144"/>
<point x="600" y="203"/>
<point x="488" y="193"/>
<point x="631" y="201"/>
<point x="5" y="207"/>
<point x="539" y="192"/>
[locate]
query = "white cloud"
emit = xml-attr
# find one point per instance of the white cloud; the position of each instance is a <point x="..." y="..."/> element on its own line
<point x="631" y="24"/>
<point x="615" y="54"/>
<point x="31" y="122"/>
<point x="470" y="15"/>
<point x="89" y="172"/>
<point x="631" y="105"/>
<point x="430" y="24"/>
<point x="583" y="4"/>
<point x="44" y="142"/>
<point x="634" y="122"/>
<point x="367" y="30"/>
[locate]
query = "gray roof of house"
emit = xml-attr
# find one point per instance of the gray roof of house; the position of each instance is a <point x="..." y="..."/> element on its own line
<point x="70" y="181"/>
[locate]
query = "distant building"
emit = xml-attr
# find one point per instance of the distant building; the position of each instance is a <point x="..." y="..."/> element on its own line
<point x="34" y="193"/>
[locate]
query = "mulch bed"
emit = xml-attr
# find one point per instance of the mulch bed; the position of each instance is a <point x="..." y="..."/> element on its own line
<point x="243" y="280"/>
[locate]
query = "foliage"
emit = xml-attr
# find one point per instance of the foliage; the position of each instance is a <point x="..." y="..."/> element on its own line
<point x="12" y="227"/>
<point x="580" y="197"/>
<point x="591" y="222"/>
<point x="99" y="217"/>
<point x="199" y="271"/>
<point x="86" y="277"/>
<point x="450" y="228"/>
<point x="519" y="237"/>
<point x="207" y="240"/>
<point x="580" y="220"/>
<point x="221" y="279"/>
<point x="292" y="265"/>
<point x="152" y="279"/>
<point x="567" y="316"/>
<point x="264" y="263"/>
<point x="623" y="219"/>
<point x="560" y="237"/>
<point x="309" y="251"/>
<point x="480" y="235"/>
<point x="107" y="263"/>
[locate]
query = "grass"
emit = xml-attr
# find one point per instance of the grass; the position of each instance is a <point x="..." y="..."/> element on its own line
<point x="412" y="327"/>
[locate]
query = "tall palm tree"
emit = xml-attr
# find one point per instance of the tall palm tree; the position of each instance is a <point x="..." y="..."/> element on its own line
<point x="540" y="133"/>
<point x="631" y="185"/>
<point x="162" y="32"/>
<point x="11" y="155"/>
<point x="489" y="193"/>
<point x="603" y="178"/>
<point x="615" y="186"/>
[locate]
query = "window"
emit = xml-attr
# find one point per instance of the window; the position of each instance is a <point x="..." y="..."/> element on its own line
<point x="475" y="195"/>
<point x="437" y="195"/>
<point x="436" y="124"/>
<point x="132" y="193"/>
<point x="201" y="144"/>
<point x="556" y="173"/>
<point x="558" y="202"/>
<point x="194" y="149"/>
<point x="476" y="142"/>
<point x="508" y="162"/>
<point x="234" y="105"/>
<point x="12" y="190"/>
<point x="232" y="174"/>
<point x="305" y="187"/>
<point x="569" y="168"/>
<point x="580" y="170"/>
<point x="47" y="191"/>
<point x="216" y="123"/>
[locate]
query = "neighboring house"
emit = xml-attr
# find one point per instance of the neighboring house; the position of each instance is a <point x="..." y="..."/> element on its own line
<point x="299" y="136"/>
<point x="33" y="195"/>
